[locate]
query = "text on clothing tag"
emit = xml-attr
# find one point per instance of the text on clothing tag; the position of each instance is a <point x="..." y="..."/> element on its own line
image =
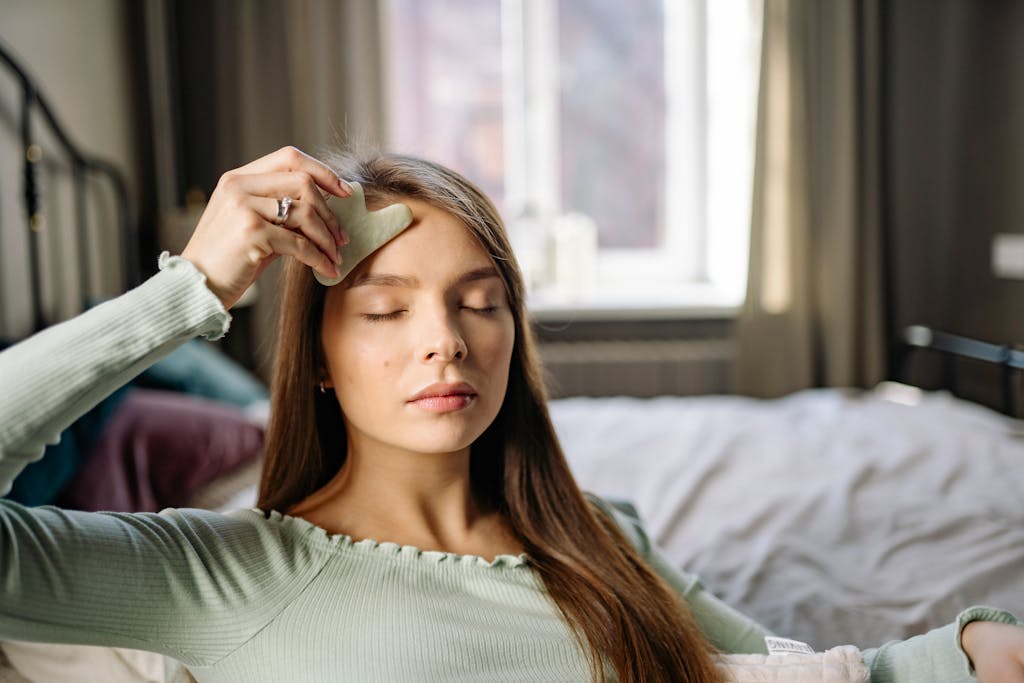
<point x="781" y="646"/>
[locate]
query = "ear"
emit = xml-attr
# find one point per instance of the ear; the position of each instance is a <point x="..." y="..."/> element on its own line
<point x="323" y="377"/>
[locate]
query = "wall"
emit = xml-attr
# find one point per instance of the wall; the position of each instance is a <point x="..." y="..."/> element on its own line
<point x="957" y="168"/>
<point x="637" y="358"/>
<point x="78" y="54"/>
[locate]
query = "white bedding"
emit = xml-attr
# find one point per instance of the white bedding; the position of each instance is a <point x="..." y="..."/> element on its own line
<point x="833" y="517"/>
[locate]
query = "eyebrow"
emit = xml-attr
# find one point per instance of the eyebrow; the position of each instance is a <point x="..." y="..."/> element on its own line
<point x="390" y="280"/>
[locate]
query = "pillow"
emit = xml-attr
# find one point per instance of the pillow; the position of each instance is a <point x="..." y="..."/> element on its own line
<point x="158" y="449"/>
<point x="842" y="664"/>
<point x="74" y="663"/>
<point x="199" y="368"/>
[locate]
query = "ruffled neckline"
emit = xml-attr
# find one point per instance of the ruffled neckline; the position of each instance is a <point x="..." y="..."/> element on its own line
<point x="369" y="546"/>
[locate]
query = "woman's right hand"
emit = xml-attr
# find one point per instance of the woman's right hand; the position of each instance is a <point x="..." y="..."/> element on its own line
<point x="237" y="238"/>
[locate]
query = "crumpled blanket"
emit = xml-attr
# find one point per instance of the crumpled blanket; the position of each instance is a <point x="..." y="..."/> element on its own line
<point x="842" y="664"/>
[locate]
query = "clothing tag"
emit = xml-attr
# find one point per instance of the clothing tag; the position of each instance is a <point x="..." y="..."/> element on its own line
<point x="785" y="646"/>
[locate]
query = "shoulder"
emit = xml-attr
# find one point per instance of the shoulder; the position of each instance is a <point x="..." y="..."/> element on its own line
<point x="241" y="541"/>
<point x="625" y="516"/>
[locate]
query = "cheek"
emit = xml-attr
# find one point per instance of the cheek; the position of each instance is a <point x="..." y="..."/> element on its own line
<point x="364" y="363"/>
<point x="361" y="365"/>
<point x="366" y="387"/>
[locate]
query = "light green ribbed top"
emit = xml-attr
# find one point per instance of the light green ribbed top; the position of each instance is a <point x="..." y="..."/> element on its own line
<point x="246" y="597"/>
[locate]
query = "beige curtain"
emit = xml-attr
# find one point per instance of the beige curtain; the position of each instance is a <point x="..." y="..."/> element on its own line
<point x="302" y="72"/>
<point x="813" y="314"/>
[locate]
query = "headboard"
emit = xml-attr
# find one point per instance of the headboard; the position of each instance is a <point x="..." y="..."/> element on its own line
<point x="950" y="348"/>
<point x="34" y="109"/>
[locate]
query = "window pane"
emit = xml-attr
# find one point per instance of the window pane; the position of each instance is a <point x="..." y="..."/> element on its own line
<point x="612" y="120"/>
<point x="445" y="86"/>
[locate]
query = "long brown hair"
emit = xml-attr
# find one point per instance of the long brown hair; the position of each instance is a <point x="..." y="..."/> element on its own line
<point x="620" y="611"/>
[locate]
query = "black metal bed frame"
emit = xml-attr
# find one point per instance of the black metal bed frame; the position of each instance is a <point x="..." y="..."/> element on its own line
<point x="82" y="166"/>
<point x="951" y="347"/>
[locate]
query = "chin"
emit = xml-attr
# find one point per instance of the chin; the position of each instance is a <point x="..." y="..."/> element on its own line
<point x="442" y="439"/>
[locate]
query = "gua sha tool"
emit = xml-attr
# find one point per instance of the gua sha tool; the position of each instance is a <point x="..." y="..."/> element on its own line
<point x="368" y="231"/>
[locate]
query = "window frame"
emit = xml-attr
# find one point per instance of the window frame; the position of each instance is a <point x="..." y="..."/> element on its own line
<point x="693" y="273"/>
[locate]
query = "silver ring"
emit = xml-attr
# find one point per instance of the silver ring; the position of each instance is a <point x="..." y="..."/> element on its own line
<point x="284" y="205"/>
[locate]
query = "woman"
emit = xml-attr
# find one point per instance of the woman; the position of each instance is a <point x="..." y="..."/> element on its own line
<point x="416" y="518"/>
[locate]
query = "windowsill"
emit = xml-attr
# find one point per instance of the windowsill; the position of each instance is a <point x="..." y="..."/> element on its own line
<point x="679" y="303"/>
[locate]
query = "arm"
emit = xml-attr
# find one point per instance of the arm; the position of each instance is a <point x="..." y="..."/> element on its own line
<point x="188" y="583"/>
<point x="79" y="577"/>
<point x="54" y="377"/>
<point x="181" y="582"/>
<point x="937" y="656"/>
<point x="728" y="630"/>
<point x="191" y="584"/>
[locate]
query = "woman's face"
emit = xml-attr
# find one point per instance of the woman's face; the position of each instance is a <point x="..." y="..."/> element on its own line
<point x="418" y="339"/>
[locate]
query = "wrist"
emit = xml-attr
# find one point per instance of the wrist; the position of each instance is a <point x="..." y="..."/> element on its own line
<point x="198" y="267"/>
<point x="969" y="639"/>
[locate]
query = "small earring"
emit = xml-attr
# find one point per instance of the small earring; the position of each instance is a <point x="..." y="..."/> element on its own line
<point x="322" y="389"/>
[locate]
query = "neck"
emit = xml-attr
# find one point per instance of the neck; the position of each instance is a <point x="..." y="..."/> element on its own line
<point x="387" y="493"/>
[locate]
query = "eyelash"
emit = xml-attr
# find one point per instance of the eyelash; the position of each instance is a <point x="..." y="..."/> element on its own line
<point x="486" y="310"/>
<point x="383" y="317"/>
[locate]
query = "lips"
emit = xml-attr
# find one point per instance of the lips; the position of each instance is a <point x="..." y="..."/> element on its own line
<point x="444" y="398"/>
<point x="443" y="390"/>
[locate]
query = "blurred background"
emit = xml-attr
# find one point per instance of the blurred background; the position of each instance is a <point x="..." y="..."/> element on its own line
<point x="706" y="196"/>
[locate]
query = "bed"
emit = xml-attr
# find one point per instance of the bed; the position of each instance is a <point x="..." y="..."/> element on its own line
<point x="832" y="516"/>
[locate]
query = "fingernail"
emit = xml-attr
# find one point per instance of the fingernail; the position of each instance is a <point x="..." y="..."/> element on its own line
<point x="337" y="259"/>
<point x="345" y="187"/>
<point x="337" y="271"/>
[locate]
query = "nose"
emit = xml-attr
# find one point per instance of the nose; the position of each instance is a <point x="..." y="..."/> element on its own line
<point x="443" y="341"/>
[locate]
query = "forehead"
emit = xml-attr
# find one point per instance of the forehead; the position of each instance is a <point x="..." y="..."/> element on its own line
<point x="436" y="247"/>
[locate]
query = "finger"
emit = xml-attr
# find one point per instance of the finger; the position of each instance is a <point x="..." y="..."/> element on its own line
<point x="292" y="159"/>
<point x="296" y="245"/>
<point x="304" y="219"/>
<point x="301" y="188"/>
<point x="297" y="185"/>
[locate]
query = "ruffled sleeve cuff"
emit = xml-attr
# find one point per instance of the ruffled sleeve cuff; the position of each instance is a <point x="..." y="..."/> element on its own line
<point x="980" y="613"/>
<point x="214" y="319"/>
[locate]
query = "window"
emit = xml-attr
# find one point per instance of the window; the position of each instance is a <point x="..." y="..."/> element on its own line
<point x="616" y="138"/>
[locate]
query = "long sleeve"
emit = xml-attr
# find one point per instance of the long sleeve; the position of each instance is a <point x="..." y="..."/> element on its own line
<point x="933" y="657"/>
<point x="180" y="582"/>
<point x="55" y="376"/>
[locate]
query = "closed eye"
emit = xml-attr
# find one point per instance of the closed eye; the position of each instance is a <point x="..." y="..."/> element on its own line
<point x="381" y="317"/>
<point x="486" y="310"/>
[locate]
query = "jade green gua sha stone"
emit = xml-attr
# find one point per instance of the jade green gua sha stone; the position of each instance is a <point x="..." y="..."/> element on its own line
<point x="368" y="231"/>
